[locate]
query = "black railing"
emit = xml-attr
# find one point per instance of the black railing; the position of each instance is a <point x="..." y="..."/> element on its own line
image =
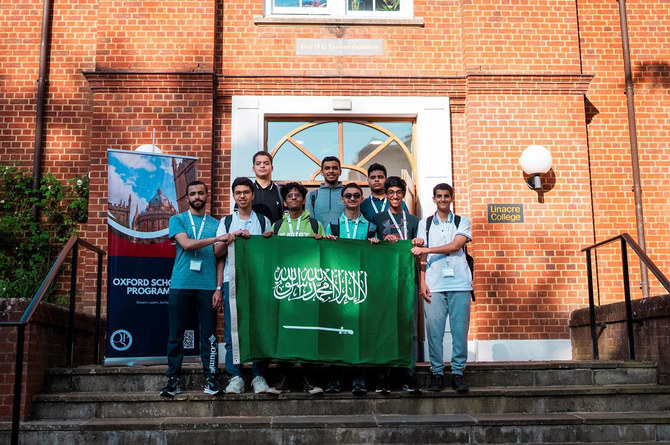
<point x="72" y="245"/>
<point x="626" y="241"/>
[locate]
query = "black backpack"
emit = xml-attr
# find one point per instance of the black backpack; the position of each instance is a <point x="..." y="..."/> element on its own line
<point x="468" y="257"/>
<point x="228" y="221"/>
<point x="312" y="222"/>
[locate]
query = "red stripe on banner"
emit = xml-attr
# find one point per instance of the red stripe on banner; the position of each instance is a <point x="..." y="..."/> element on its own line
<point x="118" y="246"/>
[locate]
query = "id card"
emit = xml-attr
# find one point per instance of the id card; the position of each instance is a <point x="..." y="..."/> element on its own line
<point x="448" y="272"/>
<point x="196" y="265"/>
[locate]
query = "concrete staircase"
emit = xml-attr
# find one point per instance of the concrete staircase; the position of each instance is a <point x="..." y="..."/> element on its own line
<point x="529" y="402"/>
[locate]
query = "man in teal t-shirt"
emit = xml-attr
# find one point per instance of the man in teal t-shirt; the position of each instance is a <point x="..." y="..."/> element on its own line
<point x="193" y="288"/>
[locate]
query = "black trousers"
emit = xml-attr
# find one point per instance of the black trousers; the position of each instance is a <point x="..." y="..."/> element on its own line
<point x="182" y="303"/>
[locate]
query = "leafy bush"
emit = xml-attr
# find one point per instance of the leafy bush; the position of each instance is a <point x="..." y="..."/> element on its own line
<point x="29" y="248"/>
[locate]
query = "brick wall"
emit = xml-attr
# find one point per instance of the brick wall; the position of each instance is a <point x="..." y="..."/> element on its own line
<point x="517" y="73"/>
<point x="651" y="333"/>
<point x="45" y="347"/>
<point x="609" y="145"/>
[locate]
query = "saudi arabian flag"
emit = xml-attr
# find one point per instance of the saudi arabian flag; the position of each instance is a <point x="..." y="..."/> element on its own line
<point x="306" y="300"/>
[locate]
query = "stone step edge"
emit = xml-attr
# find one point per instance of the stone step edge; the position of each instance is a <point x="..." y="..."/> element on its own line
<point x="361" y="421"/>
<point x="491" y="391"/>
<point x="420" y="367"/>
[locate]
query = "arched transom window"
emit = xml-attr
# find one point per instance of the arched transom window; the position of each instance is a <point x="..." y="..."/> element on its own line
<point x="299" y="145"/>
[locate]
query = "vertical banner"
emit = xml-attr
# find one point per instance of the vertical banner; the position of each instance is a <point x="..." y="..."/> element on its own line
<point x="145" y="190"/>
<point x="299" y="299"/>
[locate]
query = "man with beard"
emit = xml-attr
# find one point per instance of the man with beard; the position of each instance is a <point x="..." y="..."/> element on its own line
<point x="193" y="288"/>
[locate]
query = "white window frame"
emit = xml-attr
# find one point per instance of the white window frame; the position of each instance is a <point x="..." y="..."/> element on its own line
<point x="338" y="8"/>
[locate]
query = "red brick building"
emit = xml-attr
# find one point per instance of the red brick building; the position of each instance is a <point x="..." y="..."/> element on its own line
<point x="477" y="81"/>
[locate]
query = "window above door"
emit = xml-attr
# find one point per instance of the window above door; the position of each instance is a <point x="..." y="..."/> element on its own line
<point x="383" y="9"/>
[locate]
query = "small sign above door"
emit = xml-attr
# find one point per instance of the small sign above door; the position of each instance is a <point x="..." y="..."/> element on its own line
<point x="338" y="47"/>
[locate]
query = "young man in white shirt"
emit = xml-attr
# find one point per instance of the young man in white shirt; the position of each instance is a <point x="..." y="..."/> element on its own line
<point x="243" y="222"/>
<point x="445" y="284"/>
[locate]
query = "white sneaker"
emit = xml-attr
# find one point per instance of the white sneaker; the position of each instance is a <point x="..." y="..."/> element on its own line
<point x="259" y="384"/>
<point x="235" y="385"/>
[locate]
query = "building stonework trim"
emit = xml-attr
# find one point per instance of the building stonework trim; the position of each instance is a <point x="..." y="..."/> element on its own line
<point x="132" y="82"/>
<point x="454" y="87"/>
<point x="543" y="84"/>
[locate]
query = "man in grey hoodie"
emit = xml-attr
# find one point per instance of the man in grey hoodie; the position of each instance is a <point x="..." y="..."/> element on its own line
<point x="324" y="203"/>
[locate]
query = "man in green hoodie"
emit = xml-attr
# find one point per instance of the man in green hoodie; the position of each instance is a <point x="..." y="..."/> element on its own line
<point x="296" y="223"/>
<point x="325" y="203"/>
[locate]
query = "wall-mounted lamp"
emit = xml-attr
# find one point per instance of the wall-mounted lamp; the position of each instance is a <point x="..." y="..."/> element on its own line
<point x="535" y="161"/>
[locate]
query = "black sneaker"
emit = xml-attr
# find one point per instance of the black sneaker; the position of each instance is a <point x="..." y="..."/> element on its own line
<point x="171" y="388"/>
<point x="212" y="386"/>
<point x="436" y="383"/>
<point x="281" y="385"/>
<point x="411" y="386"/>
<point x="310" y="387"/>
<point x="359" y="389"/>
<point x="333" y="387"/>
<point x="458" y="383"/>
<point x="383" y="384"/>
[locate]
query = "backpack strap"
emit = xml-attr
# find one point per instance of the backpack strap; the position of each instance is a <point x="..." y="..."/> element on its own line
<point x="277" y="226"/>
<point x="457" y="220"/>
<point x="261" y="221"/>
<point x="228" y="221"/>
<point x="313" y="197"/>
<point x="334" y="228"/>
<point x="429" y="223"/>
<point x="315" y="224"/>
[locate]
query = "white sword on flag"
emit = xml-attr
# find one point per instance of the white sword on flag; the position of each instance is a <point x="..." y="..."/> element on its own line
<point x="319" y="328"/>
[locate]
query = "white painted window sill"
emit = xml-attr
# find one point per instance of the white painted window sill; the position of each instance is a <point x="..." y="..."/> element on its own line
<point x="337" y="21"/>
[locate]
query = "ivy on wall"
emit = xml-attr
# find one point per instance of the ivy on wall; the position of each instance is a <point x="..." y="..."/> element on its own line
<point x="28" y="248"/>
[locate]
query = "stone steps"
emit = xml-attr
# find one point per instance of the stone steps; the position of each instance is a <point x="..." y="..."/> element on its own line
<point x="490" y="400"/>
<point x="152" y="378"/>
<point x="611" y="427"/>
<point x="536" y="402"/>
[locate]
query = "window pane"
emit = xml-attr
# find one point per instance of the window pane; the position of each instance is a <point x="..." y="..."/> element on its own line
<point x="403" y="130"/>
<point x="360" y="5"/>
<point x="387" y="5"/>
<point x="290" y="164"/>
<point x="315" y="3"/>
<point x="359" y="141"/>
<point x="320" y="140"/>
<point x="287" y="3"/>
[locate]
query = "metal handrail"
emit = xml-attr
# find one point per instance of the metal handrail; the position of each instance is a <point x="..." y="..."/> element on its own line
<point x="626" y="240"/>
<point x="72" y="245"/>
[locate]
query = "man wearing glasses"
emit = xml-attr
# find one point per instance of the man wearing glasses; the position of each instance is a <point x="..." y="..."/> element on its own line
<point x="392" y="225"/>
<point x="350" y="225"/>
<point x="377" y="202"/>
<point x="244" y="222"/>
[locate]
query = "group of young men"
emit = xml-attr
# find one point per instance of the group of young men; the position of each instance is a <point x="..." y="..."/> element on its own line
<point x="200" y="278"/>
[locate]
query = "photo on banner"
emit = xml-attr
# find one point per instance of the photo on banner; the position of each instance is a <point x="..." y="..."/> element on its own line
<point x="144" y="191"/>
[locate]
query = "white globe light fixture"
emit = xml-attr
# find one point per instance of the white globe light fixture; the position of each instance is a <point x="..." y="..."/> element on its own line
<point x="535" y="161"/>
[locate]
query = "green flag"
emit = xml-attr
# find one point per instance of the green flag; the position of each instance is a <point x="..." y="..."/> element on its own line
<point x="299" y="299"/>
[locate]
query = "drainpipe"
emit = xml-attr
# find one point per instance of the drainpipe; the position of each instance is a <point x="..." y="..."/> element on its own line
<point x="42" y="85"/>
<point x="214" y="105"/>
<point x="632" y="130"/>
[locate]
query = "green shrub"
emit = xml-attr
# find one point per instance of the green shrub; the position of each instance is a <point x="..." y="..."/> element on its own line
<point x="29" y="248"/>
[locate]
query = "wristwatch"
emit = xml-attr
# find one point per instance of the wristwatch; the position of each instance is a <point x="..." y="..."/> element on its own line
<point x="218" y="287"/>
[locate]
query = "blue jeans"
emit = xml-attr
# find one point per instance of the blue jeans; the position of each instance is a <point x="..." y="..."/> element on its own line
<point x="231" y="368"/>
<point x="456" y="305"/>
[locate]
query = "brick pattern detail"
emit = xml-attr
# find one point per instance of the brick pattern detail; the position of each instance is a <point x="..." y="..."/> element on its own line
<point x="517" y="73"/>
<point x="45" y="347"/>
<point x="651" y="333"/>
<point x="609" y="146"/>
